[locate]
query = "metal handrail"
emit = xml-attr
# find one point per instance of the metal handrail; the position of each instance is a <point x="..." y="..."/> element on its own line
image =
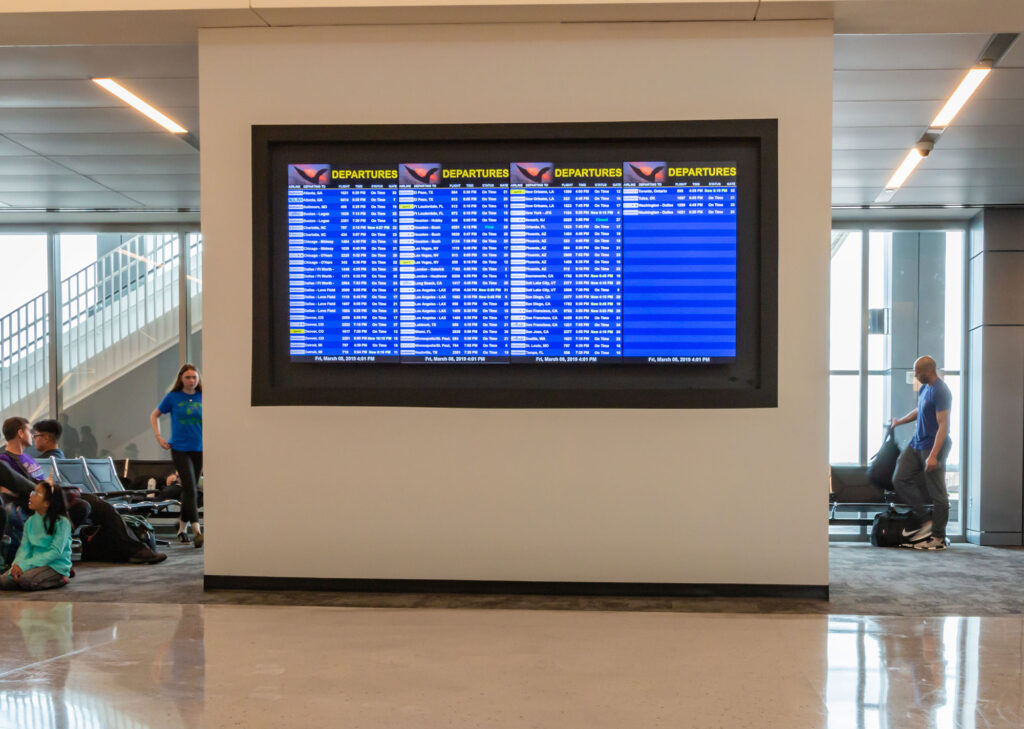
<point x="128" y="298"/>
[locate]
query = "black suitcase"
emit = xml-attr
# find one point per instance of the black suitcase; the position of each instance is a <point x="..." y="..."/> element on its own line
<point x="889" y="525"/>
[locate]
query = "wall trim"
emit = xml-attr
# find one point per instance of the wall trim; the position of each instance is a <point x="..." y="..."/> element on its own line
<point x="516" y="587"/>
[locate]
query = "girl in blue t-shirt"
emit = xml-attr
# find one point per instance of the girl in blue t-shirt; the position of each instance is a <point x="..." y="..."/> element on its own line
<point x="44" y="558"/>
<point x="184" y="403"/>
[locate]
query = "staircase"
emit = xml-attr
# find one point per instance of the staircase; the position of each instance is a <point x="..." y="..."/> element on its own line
<point x="115" y="314"/>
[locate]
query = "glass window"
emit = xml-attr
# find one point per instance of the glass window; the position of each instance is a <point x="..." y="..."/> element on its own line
<point x="24" y="328"/>
<point x="954" y="300"/>
<point x="844" y="419"/>
<point x="878" y="411"/>
<point x="845" y="303"/>
<point x="902" y="329"/>
<point x="879" y="245"/>
<point x="119" y="339"/>
<point x="195" y="290"/>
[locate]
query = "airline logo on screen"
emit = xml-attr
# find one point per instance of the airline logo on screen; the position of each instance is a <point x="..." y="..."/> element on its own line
<point x="309" y="174"/>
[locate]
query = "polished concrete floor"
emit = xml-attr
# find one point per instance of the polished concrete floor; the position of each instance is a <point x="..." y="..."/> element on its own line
<point x="149" y="666"/>
<point x="143" y="647"/>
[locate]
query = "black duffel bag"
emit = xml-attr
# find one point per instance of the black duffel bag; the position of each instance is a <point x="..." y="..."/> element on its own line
<point x="889" y="525"/>
<point x="883" y="463"/>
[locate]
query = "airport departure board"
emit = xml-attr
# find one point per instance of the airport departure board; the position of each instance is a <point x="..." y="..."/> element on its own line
<point x="520" y="262"/>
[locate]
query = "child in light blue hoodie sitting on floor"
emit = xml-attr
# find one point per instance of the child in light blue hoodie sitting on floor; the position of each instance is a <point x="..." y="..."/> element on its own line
<point x="44" y="557"/>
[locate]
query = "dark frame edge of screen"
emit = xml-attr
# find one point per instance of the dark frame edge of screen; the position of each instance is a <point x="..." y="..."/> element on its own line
<point x="269" y="386"/>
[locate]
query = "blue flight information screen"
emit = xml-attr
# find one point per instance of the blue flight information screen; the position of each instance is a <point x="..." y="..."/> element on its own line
<point x="513" y="263"/>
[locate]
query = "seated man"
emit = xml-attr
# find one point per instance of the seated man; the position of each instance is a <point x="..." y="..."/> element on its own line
<point x="108" y="540"/>
<point x="45" y="434"/>
<point x="19" y="474"/>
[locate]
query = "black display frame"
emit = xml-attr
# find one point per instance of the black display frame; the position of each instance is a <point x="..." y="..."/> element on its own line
<point x="751" y="381"/>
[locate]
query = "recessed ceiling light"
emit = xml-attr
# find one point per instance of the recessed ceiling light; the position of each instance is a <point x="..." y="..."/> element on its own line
<point x="132" y="100"/>
<point x="967" y="87"/>
<point x="912" y="160"/>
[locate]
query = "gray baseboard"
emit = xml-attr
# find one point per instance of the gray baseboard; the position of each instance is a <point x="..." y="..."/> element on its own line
<point x="995" y="539"/>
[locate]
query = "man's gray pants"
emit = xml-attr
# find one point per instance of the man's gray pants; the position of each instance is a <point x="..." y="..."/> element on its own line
<point x="914" y="485"/>
<point x="37" y="578"/>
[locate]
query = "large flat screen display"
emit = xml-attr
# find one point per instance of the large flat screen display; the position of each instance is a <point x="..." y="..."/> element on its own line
<point x="539" y="265"/>
<point x="512" y="261"/>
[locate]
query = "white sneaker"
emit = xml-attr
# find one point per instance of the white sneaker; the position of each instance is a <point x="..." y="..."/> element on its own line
<point x="932" y="544"/>
<point x="913" y="536"/>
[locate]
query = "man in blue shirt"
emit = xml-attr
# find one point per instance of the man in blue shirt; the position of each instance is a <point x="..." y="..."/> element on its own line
<point x="921" y="468"/>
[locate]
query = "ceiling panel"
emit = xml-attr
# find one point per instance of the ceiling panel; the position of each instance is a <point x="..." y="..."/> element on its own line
<point x="941" y="158"/>
<point x="932" y="196"/>
<point x="959" y="196"/>
<point x="1003" y="83"/>
<point x="983" y="137"/>
<point x="898" y="85"/>
<point x="35" y="93"/>
<point x="875" y="137"/>
<point x="931" y="177"/>
<point x="68" y="200"/>
<point x="937" y="85"/>
<point x="118" y="119"/>
<point x="1014" y="57"/>
<point x="9" y="148"/>
<point x="112" y="164"/>
<point x="985" y="111"/>
<point x="925" y="51"/>
<point x="150" y="183"/>
<point x="884" y="113"/>
<point x="169" y="199"/>
<point x="47" y="183"/>
<point x="55" y="62"/>
<point x="29" y="166"/>
<point x="905" y="113"/>
<point x="99" y="144"/>
<point x="956" y="137"/>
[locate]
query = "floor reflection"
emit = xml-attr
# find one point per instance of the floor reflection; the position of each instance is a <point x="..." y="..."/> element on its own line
<point x="129" y="666"/>
<point x="886" y="673"/>
<point x="70" y="666"/>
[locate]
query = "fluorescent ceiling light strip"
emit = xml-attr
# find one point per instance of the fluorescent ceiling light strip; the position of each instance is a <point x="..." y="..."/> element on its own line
<point x="963" y="92"/>
<point x="132" y="100"/>
<point x="902" y="172"/>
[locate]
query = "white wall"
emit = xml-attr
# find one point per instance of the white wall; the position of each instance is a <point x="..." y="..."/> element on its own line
<point x="727" y="496"/>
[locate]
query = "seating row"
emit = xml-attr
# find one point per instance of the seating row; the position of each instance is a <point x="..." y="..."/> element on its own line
<point x="98" y="476"/>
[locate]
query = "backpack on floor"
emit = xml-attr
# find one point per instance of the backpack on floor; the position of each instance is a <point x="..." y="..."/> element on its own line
<point x="141" y="528"/>
<point x="888" y="527"/>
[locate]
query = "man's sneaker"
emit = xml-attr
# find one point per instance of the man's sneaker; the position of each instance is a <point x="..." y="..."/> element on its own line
<point x="932" y="544"/>
<point x="913" y="536"/>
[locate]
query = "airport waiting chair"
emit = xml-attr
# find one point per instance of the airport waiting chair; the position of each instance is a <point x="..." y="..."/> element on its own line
<point x="47" y="465"/>
<point x="135" y="473"/>
<point x="70" y="472"/>
<point x="74" y="473"/>
<point x="103" y="476"/>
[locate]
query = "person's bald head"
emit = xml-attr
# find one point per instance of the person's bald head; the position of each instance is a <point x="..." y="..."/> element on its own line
<point x="925" y="370"/>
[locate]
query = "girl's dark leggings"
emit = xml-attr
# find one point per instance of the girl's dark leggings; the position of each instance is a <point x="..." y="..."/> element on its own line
<point x="190" y="468"/>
